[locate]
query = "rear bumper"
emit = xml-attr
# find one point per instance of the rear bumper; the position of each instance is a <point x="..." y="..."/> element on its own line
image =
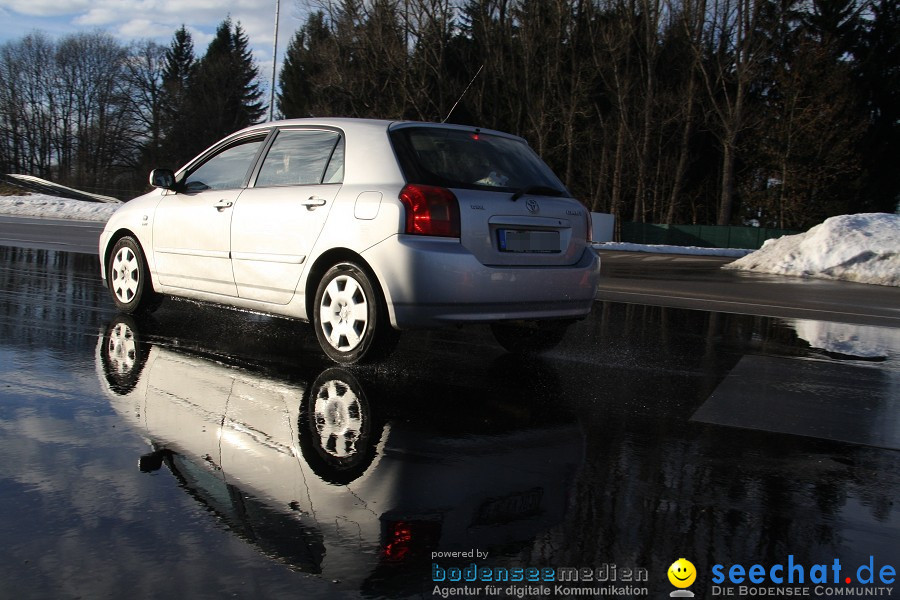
<point x="429" y="282"/>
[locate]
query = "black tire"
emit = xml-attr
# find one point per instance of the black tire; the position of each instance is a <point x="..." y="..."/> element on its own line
<point x="530" y="338"/>
<point x="128" y="278"/>
<point x="350" y="316"/>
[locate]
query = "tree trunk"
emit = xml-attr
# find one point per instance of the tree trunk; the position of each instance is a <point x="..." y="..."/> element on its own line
<point x="684" y="150"/>
<point x="726" y="199"/>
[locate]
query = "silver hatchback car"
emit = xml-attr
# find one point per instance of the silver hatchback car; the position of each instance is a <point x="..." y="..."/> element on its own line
<point x="364" y="228"/>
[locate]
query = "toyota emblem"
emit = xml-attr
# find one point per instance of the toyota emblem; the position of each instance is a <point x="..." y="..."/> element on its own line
<point x="532" y="205"/>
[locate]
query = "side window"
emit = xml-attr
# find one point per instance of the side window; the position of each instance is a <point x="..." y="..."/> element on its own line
<point x="300" y="157"/>
<point x="335" y="171"/>
<point x="225" y="170"/>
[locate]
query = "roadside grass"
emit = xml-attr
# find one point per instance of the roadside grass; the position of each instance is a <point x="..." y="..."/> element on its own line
<point x="12" y="190"/>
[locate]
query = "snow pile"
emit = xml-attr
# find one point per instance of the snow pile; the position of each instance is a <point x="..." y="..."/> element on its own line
<point x="850" y="340"/>
<point x="52" y="207"/>
<point x="864" y="248"/>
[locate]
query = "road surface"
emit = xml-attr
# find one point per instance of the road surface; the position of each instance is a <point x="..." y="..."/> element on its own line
<point x="210" y="453"/>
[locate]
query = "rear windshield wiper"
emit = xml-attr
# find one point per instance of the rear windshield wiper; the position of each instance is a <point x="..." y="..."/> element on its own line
<point x="543" y="190"/>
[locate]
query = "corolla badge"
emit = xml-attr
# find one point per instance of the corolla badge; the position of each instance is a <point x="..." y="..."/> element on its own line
<point x="532" y="205"/>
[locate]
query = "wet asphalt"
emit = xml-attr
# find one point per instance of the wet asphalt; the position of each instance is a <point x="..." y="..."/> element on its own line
<point x="205" y="452"/>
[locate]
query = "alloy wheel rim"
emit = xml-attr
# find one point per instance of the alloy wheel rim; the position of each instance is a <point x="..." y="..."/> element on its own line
<point x="344" y="313"/>
<point x="121" y="349"/>
<point x="125" y="273"/>
<point x="339" y="419"/>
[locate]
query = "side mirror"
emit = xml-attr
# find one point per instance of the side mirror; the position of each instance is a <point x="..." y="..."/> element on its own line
<point x="149" y="463"/>
<point x="162" y="178"/>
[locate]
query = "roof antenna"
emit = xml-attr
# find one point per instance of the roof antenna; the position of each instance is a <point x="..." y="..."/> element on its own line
<point x="463" y="94"/>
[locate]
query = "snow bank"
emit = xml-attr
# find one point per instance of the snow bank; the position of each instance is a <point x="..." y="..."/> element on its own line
<point x="850" y="340"/>
<point x="52" y="207"/>
<point x="864" y="248"/>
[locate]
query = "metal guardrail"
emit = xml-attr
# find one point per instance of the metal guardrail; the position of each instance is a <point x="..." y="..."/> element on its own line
<point x="42" y="186"/>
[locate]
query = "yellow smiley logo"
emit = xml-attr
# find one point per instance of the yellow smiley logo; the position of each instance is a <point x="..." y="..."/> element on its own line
<point x="682" y="573"/>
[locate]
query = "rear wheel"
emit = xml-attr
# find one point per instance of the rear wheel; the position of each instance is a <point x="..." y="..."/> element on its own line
<point x="129" y="278"/>
<point x="530" y="338"/>
<point x="338" y="434"/>
<point x="350" y="316"/>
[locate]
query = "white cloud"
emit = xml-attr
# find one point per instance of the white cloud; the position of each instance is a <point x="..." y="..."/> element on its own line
<point x="137" y="28"/>
<point x="48" y="8"/>
<point x="97" y="17"/>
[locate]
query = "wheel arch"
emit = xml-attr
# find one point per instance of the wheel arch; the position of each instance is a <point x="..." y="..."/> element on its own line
<point x="327" y="260"/>
<point x="115" y="237"/>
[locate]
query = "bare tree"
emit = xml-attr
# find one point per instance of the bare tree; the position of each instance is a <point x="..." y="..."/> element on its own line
<point x="648" y="38"/>
<point x="729" y="58"/>
<point x="614" y="61"/>
<point x="91" y="137"/>
<point x="144" y="68"/>
<point x="688" y="20"/>
<point x="27" y="105"/>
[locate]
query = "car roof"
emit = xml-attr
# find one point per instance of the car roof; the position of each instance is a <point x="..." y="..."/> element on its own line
<point x="357" y="123"/>
<point x="371" y="168"/>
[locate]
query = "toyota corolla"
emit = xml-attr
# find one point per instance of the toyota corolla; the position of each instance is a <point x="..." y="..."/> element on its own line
<point x="363" y="228"/>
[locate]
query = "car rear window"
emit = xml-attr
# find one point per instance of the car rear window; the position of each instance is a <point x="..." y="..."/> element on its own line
<point x="470" y="159"/>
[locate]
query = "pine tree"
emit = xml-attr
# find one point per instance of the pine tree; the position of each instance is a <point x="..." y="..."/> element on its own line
<point x="879" y="80"/>
<point x="180" y="61"/>
<point x="225" y="93"/>
<point x="303" y="68"/>
<point x="178" y="76"/>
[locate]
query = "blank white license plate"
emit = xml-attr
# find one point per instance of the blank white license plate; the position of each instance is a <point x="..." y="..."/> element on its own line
<point x="526" y="240"/>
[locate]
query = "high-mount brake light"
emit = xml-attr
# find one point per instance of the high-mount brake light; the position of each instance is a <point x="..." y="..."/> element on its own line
<point x="430" y="210"/>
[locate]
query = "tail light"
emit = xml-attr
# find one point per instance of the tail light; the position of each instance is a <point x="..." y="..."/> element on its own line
<point x="406" y="539"/>
<point x="430" y="210"/>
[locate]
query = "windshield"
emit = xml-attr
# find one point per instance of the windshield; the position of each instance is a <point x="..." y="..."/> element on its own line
<point x="456" y="158"/>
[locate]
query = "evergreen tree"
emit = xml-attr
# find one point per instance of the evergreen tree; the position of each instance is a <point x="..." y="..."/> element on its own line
<point x="304" y="67"/>
<point x="879" y="79"/>
<point x="180" y="62"/>
<point x="177" y="78"/>
<point x="834" y="24"/>
<point x="225" y="92"/>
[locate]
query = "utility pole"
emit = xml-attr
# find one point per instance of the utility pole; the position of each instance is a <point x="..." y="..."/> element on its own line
<point x="274" y="63"/>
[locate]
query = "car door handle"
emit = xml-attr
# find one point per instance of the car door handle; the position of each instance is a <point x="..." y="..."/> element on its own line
<point x="223" y="204"/>
<point x="313" y="203"/>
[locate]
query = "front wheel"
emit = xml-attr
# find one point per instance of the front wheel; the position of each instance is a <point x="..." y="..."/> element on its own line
<point x="530" y="338"/>
<point x="129" y="278"/>
<point x="350" y="316"/>
<point x="123" y="355"/>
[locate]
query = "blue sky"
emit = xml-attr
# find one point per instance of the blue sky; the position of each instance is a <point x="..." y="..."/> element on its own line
<point x="130" y="20"/>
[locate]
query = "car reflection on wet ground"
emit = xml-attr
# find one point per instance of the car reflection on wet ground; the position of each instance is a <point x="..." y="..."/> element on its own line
<point x="208" y="452"/>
